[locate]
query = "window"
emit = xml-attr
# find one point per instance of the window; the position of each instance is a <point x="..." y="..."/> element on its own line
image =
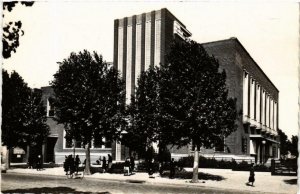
<point x="50" y="107"/>
<point x="220" y="145"/>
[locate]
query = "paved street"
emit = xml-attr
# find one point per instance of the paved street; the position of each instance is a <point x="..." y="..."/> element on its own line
<point x="28" y="183"/>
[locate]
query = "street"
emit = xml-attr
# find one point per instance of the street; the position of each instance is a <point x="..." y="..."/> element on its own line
<point x="26" y="183"/>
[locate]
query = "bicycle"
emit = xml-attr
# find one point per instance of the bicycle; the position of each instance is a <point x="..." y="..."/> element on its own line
<point x="72" y="173"/>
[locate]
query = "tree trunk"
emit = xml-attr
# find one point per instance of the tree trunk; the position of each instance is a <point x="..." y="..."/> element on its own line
<point x="88" y="159"/>
<point x="196" y="165"/>
<point x="7" y="157"/>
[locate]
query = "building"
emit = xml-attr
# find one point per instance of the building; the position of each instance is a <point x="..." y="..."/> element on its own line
<point x="141" y="41"/>
<point x="257" y="103"/>
<point x="57" y="147"/>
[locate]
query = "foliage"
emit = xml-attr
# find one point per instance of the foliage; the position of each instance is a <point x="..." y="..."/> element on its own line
<point x="284" y="142"/>
<point x="90" y="99"/>
<point x="23" y="115"/>
<point x="144" y="115"/>
<point x="205" y="163"/>
<point x="12" y="30"/>
<point x="194" y="98"/>
<point x="293" y="146"/>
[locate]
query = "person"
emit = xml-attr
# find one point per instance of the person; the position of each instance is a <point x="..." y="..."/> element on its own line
<point x="77" y="162"/>
<point x="104" y="164"/>
<point x="127" y="167"/>
<point x="132" y="164"/>
<point x="39" y="162"/>
<point x="30" y="161"/>
<point x="151" y="168"/>
<point x="251" y="177"/>
<point x="109" y="162"/>
<point x="66" y="165"/>
<point x="172" y="168"/>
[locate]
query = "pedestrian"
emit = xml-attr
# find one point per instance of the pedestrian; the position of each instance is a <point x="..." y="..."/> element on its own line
<point x="172" y="168"/>
<point x="251" y="177"/>
<point x="151" y="168"/>
<point x="66" y="165"/>
<point x="104" y="164"/>
<point x="132" y="164"/>
<point x="39" y="162"/>
<point x="127" y="167"/>
<point x="77" y="162"/>
<point x="109" y="162"/>
<point x="30" y="161"/>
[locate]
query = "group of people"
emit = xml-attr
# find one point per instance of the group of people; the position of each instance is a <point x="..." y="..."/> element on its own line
<point x="72" y="164"/>
<point x="106" y="164"/>
<point x="35" y="161"/>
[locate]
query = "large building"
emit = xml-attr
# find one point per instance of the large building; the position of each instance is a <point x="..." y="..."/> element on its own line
<point x="141" y="41"/>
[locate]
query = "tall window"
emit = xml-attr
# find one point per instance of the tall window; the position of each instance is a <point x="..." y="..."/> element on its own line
<point x="50" y="107"/>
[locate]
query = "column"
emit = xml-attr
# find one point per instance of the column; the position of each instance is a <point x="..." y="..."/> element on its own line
<point x="258" y="103"/>
<point x="120" y="46"/>
<point x="263" y="113"/>
<point x="267" y="110"/>
<point x="157" y="38"/>
<point x="129" y="61"/>
<point x="252" y="99"/>
<point x="118" y="151"/>
<point x="275" y="116"/>
<point x="272" y="114"/>
<point x="245" y="94"/>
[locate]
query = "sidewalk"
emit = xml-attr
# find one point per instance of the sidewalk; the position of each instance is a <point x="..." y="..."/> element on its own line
<point x="234" y="180"/>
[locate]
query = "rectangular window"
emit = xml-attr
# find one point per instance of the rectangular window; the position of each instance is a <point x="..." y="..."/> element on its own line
<point x="219" y="146"/>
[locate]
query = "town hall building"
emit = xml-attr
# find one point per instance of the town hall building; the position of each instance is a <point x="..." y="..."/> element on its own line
<point x="141" y="41"/>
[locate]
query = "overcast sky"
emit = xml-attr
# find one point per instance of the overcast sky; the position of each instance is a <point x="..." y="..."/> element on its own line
<point x="269" y="32"/>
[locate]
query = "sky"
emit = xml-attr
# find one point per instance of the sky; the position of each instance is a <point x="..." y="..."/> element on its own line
<point x="268" y="30"/>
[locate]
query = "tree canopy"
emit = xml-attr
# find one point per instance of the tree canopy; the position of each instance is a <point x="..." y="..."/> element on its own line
<point x="23" y="115"/>
<point x="12" y="30"/>
<point x="89" y="98"/>
<point x="195" y="98"/>
<point x="144" y="113"/>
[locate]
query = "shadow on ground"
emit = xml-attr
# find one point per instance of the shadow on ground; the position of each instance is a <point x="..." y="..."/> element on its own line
<point x="189" y="175"/>
<point x="48" y="190"/>
<point x="290" y="181"/>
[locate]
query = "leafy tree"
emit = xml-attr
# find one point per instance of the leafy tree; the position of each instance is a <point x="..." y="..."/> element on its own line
<point x="144" y="115"/>
<point x="293" y="146"/>
<point x="194" y="99"/>
<point x="35" y="125"/>
<point x="90" y="99"/>
<point x="23" y="115"/>
<point x="284" y="142"/>
<point x="12" y="30"/>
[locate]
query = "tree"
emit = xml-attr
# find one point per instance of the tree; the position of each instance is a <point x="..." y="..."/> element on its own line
<point x="23" y="115"/>
<point x="12" y="30"/>
<point x="194" y="99"/>
<point x="293" y="146"/>
<point x="35" y="125"/>
<point x="89" y="99"/>
<point x="284" y="142"/>
<point x="144" y="113"/>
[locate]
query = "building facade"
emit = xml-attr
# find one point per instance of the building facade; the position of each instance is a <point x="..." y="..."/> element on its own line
<point x="141" y="41"/>
<point x="257" y="103"/>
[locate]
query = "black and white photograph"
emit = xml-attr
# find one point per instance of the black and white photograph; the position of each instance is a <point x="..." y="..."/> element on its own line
<point x="155" y="96"/>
